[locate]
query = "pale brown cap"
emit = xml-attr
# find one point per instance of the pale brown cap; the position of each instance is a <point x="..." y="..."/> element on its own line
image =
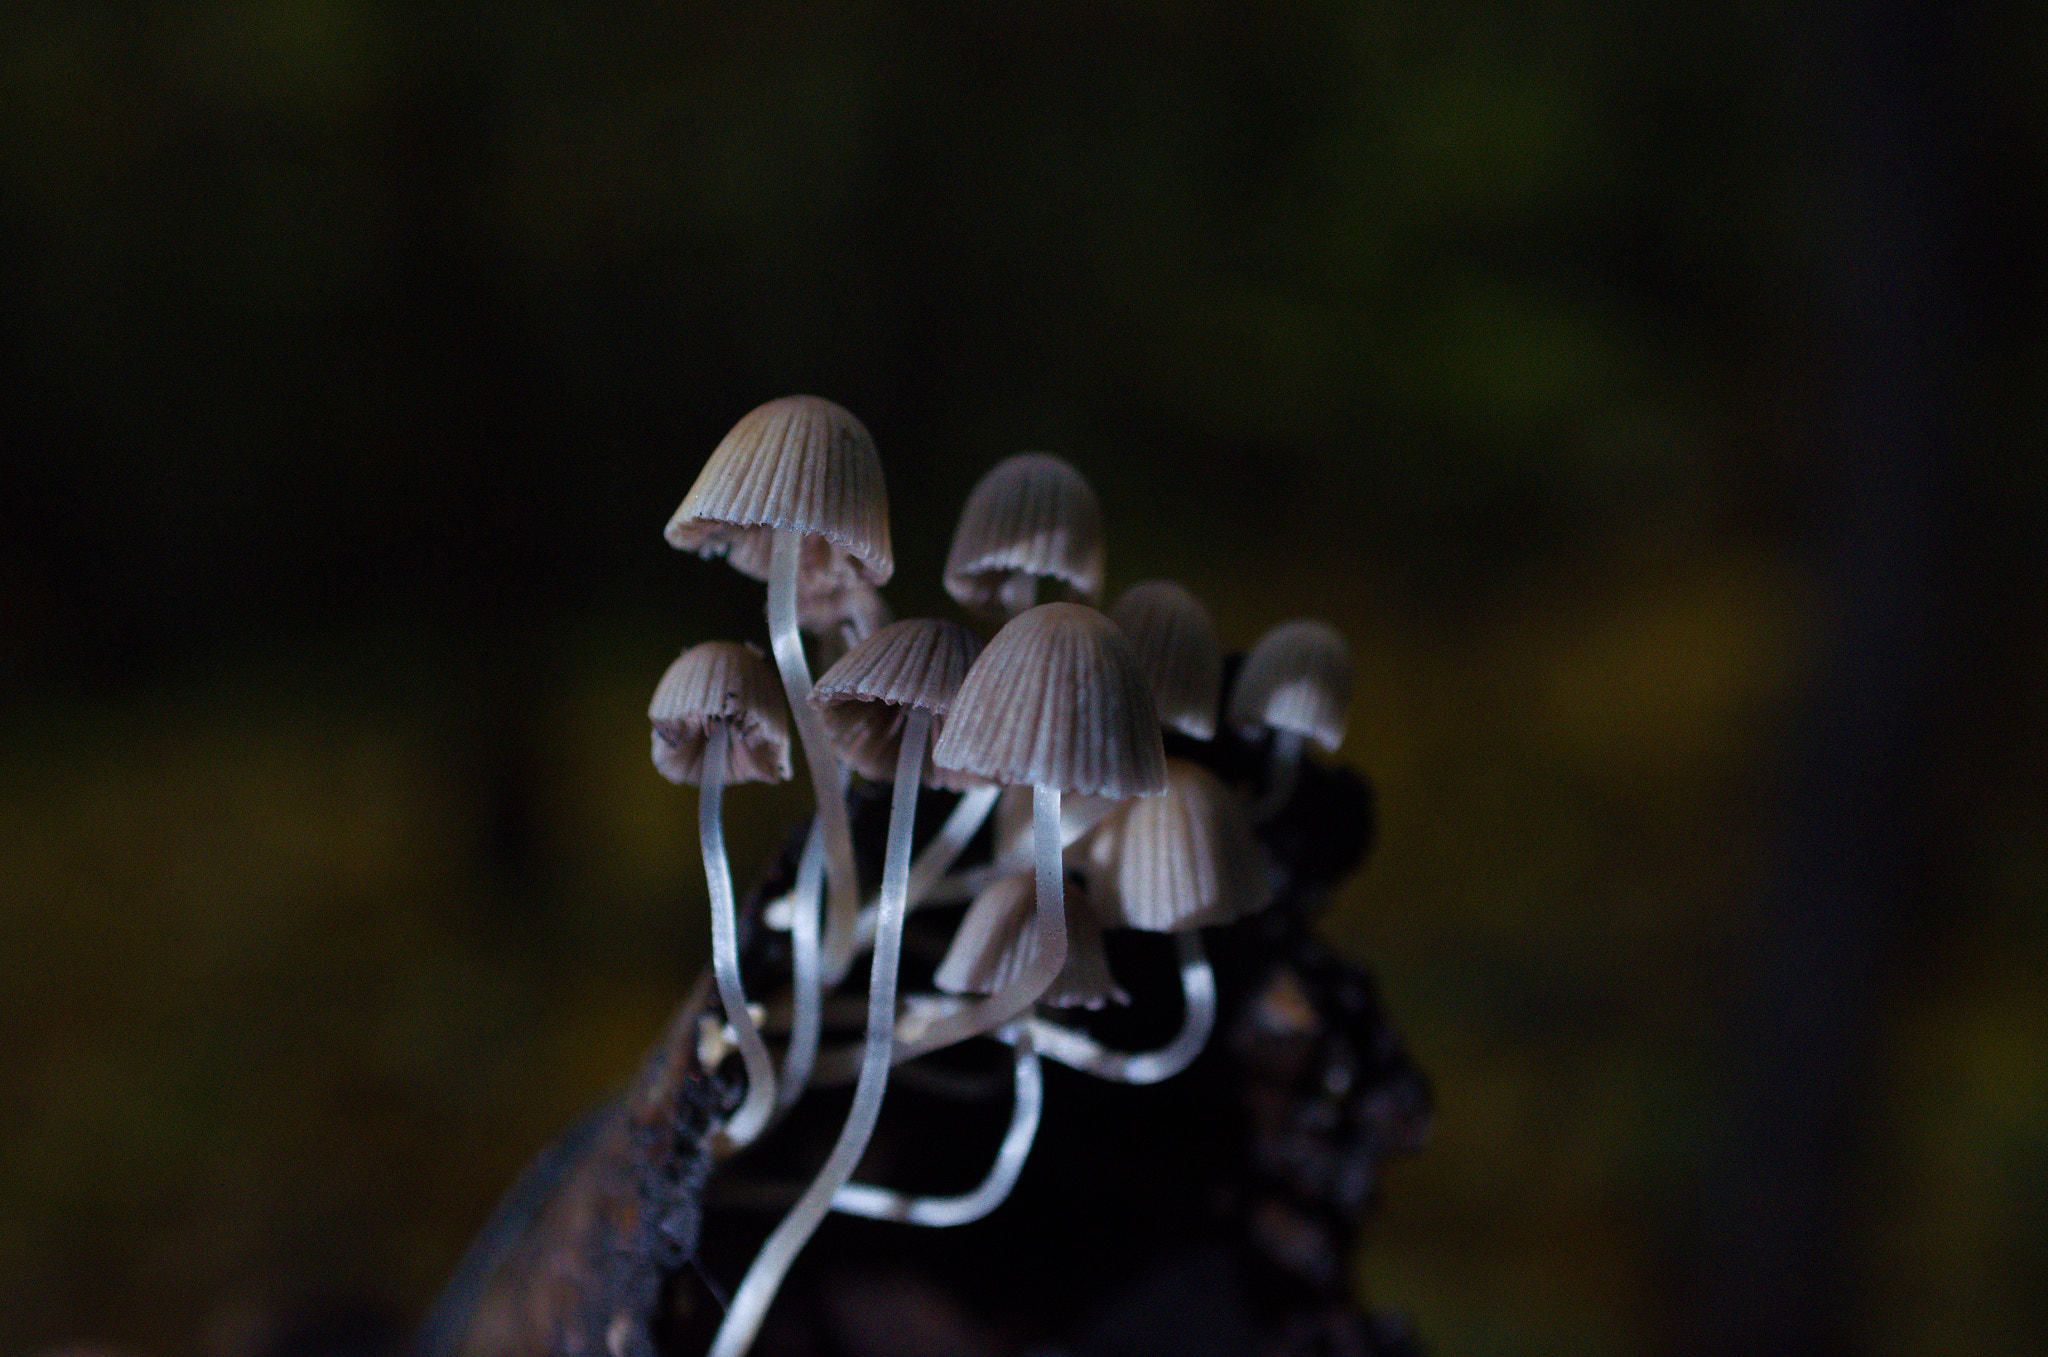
<point x="721" y="681"/>
<point x="864" y="698"/>
<point x="998" y="939"/>
<point x="1183" y="860"/>
<point x="1057" y="701"/>
<point x="798" y="463"/>
<point x="1298" y="678"/>
<point x="1031" y="515"/>
<point x="1177" y="649"/>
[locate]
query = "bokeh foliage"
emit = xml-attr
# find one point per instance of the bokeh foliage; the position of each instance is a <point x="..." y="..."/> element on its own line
<point x="358" y="351"/>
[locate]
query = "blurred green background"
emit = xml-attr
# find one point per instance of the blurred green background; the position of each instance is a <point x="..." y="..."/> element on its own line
<point x="1652" y="393"/>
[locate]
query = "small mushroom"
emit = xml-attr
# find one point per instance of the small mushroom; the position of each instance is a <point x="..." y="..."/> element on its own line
<point x="1295" y="683"/>
<point x="801" y="473"/>
<point x="993" y="946"/>
<point x="1177" y="649"/>
<point x="1031" y="518"/>
<point x="718" y="717"/>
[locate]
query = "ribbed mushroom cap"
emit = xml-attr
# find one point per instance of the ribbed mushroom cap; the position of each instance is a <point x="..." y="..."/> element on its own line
<point x="1298" y="678"/>
<point x="1057" y="701"/>
<point x="800" y="463"/>
<point x="997" y="940"/>
<point x="721" y="681"/>
<point x="1183" y="860"/>
<point x="1031" y="515"/>
<point x="1177" y="650"/>
<point x="864" y="698"/>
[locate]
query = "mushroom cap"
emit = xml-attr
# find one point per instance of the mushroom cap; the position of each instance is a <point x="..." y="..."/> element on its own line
<point x="799" y="463"/>
<point x="1297" y="678"/>
<point x="1183" y="860"/>
<point x="996" y="941"/>
<point x="1057" y="701"/>
<point x="1177" y="649"/>
<point x="864" y="698"/>
<point x="1032" y="514"/>
<point x="721" y="681"/>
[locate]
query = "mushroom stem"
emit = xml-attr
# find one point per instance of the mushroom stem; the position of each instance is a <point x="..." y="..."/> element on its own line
<point x="842" y="887"/>
<point x="1011" y="1001"/>
<point x="750" y="1302"/>
<point x="879" y="1203"/>
<point x="746" y="1123"/>
<point x="936" y="858"/>
<point x="1018" y="593"/>
<point x="1198" y="1020"/>
<point x="1281" y="775"/>
<point x="807" y="987"/>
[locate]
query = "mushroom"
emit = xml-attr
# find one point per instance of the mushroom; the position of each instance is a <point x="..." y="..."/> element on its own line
<point x="1176" y="645"/>
<point x="1295" y="683"/>
<point x="802" y="473"/>
<point x="1032" y="517"/>
<point x="1168" y="864"/>
<point x="993" y="946"/>
<point x="718" y="717"/>
<point x="1055" y="703"/>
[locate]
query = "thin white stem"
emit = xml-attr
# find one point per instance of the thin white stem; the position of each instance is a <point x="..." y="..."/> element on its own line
<point x="1010" y="1002"/>
<point x="842" y="886"/>
<point x="764" y="1277"/>
<point x="936" y="858"/>
<point x="1198" y="1020"/>
<point x="1017" y="594"/>
<point x="746" y="1123"/>
<point x="807" y="1006"/>
<point x="1281" y="775"/>
<point x="879" y="1203"/>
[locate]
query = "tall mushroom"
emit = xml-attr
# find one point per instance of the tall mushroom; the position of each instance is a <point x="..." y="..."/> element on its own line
<point x="718" y="717"/>
<point x="1055" y="703"/>
<point x="881" y="703"/>
<point x="1031" y="518"/>
<point x="1295" y="683"/>
<point x="801" y="472"/>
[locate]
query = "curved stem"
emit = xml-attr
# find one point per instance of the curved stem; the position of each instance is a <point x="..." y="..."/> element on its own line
<point x="807" y="1015"/>
<point x="750" y="1302"/>
<point x="937" y="857"/>
<point x="842" y="887"/>
<point x="746" y="1123"/>
<point x="1198" y="1020"/>
<point x="879" y="1203"/>
<point x="1010" y="1002"/>
<point x="1281" y="775"/>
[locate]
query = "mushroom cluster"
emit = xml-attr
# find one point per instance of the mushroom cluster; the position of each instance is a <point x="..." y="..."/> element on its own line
<point x="1055" y="727"/>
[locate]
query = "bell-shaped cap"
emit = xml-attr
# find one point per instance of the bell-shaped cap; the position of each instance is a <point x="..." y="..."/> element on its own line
<point x="721" y="681"/>
<point x="1177" y="650"/>
<point x="1297" y="678"/>
<point x="801" y="464"/>
<point x="864" y="698"/>
<point x="1032" y="515"/>
<point x="997" y="940"/>
<point x="1057" y="701"/>
<point x="1183" y="860"/>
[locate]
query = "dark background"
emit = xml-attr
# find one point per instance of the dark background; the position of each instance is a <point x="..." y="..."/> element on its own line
<point x="1652" y="393"/>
